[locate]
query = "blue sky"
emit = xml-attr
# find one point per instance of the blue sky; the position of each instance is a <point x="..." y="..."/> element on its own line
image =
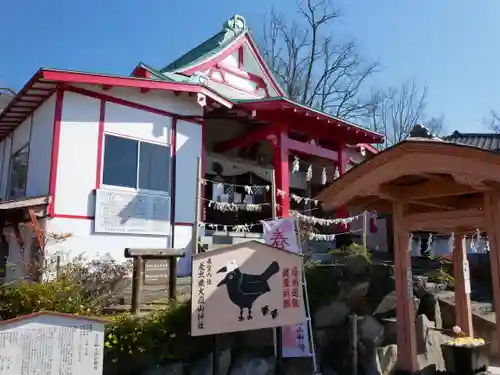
<point x="450" y="45"/>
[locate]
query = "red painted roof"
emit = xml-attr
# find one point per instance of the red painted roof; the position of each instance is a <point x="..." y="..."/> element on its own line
<point x="44" y="83"/>
<point x="302" y="117"/>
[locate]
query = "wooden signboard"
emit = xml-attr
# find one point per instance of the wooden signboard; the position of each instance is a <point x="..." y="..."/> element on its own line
<point x="51" y="344"/>
<point x="244" y="287"/>
<point x="132" y="213"/>
<point x="156" y="271"/>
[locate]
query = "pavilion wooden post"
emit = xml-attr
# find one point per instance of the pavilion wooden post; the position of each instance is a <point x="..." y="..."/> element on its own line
<point x="405" y="309"/>
<point x="463" y="312"/>
<point x="492" y="218"/>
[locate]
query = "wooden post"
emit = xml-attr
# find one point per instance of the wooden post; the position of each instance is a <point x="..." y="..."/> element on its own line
<point x="137" y="284"/>
<point x="463" y="311"/>
<point x="365" y="229"/>
<point x="492" y="218"/>
<point x="278" y="331"/>
<point x="405" y="309"/>
<point x="172" y="278"/>
<point x="198" y="207"/>
<point x="354" y="343"/>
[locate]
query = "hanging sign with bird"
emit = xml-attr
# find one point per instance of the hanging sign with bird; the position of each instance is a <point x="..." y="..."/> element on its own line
<point x="244" y="287"/>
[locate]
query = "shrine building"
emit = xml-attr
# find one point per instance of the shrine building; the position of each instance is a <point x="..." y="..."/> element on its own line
<point x="112" y="160"/>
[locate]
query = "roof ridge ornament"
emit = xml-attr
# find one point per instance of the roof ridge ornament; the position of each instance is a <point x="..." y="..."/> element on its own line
<point x="236" y="24"/>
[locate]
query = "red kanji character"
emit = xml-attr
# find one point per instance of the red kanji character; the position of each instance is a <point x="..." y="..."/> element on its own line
<point x="286" y="282"/>
<point x="295" y="282"/>
<point x="295" y="302"/>
<point x="286" y="303"/>
<point x="295" y="292"/>
<point x="286" y="272"/>
<point x="278" y="240"/>
<point x="286" y="293"/>
<point x="295" y="272"/>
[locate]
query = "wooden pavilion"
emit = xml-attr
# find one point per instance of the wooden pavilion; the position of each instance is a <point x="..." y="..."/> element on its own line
<point x="428" y="185"/>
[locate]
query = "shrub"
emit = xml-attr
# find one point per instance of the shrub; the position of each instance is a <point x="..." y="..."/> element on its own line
<point x="80" y="287"/>
<point x="132" y="343"/>
<point x="322" y="285"/>
<point x="353" y="250"/>
<point x="58" y="295"/>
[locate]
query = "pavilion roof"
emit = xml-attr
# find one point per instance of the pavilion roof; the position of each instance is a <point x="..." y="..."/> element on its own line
<point x="437" y="179"/>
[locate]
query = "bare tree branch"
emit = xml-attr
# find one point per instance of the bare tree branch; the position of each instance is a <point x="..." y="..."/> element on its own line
<point x="311" y="64"/>
<point x="493" y="121"/>
<point x="395" y="111"/>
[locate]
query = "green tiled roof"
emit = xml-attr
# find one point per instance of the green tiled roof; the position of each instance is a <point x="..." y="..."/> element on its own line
<point x="232" y="29"/>
<point x="167" y="76"/>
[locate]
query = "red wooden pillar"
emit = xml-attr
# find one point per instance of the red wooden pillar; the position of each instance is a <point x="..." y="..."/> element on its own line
<point x="342" y="212"/>
<point x="463" y="312"/>
<point x="282" y="173"/>
<point x="492" y="218"/>
<point x="405" y="308"/>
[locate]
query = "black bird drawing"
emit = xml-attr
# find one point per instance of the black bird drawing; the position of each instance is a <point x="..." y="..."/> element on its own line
<point x="244" y="289"/>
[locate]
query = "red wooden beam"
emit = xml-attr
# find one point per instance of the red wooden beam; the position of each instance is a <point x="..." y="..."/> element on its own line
<point x="247" y="139"/>
<point x="99" y="79"/>
<point x="309" y="149"/>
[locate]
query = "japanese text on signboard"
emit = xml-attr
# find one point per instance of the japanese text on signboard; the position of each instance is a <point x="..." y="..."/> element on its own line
<point x="201" y="295"/>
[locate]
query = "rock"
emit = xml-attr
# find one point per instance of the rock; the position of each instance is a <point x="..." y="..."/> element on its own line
<point x="387" y="357"/>
<point x="257" y="339"/>
<point x="246" y="365"/>
<point x="298" y="366"/>
<point x="429" y="341"/>
<point x="331" y="315"/>
<point x="172" y="369"/>
<point x="387" y="307"/>
<point x="370" y="329"/>
<point x="328" y="371"/>
<point x="390" y="331"/>
<point x="357" y="266"/>
<point x="204" y="367"/>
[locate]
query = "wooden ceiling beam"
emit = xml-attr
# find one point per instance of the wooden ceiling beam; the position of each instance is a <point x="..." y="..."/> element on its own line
<point x="446" y="220"/>
<point x="429" y="189"/>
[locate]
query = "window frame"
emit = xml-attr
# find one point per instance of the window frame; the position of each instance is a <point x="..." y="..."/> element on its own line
<point x="25" y="147"/>
<point x="137" y="189"/>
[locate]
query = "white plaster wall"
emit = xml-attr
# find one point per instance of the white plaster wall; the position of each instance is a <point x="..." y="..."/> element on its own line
<point x="166" y="101"/>
<point x="76" y="169"/>
<point x="78" y="160"/>
<point x="21" y="135"/>
<point x="183" y="235"/>
<point x="83" y="241"/>
<point x="37" y="130"/>
<point x="41" y="149"/>
<point x="188" y="150"/>
<point x="4" y="168"/>
<point x="6" y="165"/>
<point x="137" y="124"/>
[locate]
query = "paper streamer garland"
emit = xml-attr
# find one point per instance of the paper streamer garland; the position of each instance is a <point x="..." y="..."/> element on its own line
<point x="234" y="207"/>
<point x="324" y="222"/>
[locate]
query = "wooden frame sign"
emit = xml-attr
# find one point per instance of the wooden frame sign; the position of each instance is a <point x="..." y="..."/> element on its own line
<point x="244" y="287"/>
